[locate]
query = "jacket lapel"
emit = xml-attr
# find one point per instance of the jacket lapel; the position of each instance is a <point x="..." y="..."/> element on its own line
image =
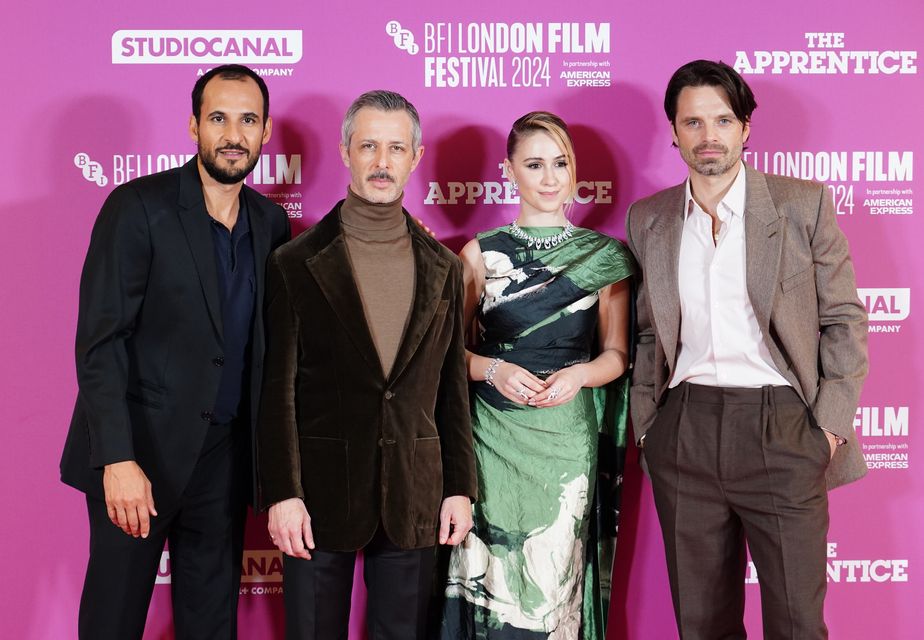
<point x="431" y="270"/>
<point x="195" y="221"/>
<point x="331" y="269"/>
<point x="662" y="253"/>
<point x="763" y="232"/>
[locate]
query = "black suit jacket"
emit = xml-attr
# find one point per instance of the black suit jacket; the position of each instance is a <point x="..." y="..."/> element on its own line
<point x="149" y="333"/>
<point x="358" y="447"/>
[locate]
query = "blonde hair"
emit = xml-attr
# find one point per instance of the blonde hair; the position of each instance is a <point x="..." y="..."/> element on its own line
<point x="556" y="128"/>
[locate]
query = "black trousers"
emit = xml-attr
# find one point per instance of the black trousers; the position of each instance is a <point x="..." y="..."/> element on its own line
<point x="317" y="592"/>
<point x="730" y="467"/>
<point x="205" y="535"/>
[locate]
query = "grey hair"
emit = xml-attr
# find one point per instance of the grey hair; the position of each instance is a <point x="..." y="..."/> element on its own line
<point x="383" y="101"/>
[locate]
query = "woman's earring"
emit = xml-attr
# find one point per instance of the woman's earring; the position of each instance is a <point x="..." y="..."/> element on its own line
<point x="509" y="177"/>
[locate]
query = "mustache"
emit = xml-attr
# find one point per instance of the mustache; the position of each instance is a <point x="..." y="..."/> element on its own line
<point x="233" y="147"/>
<point x="381" y="175"/>
<point x="706" y="146"/>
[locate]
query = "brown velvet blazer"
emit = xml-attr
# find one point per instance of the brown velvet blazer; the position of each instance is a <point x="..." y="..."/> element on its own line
<point x="358" y="447"/>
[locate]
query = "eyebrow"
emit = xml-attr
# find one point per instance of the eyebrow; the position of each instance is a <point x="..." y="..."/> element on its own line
<point x="561" y="157"/>
<point x="246" y="114"/>
<point x="374" y="141"/>
<point x="727" y="114"/>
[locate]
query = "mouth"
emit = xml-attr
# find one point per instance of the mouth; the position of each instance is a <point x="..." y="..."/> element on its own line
<point x="710" y="152"/>
<point x="549" y="194"/>
<point x="232" y="153"/>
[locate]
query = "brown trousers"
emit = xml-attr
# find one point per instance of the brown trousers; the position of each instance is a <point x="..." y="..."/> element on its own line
<point x="731" y="466"/>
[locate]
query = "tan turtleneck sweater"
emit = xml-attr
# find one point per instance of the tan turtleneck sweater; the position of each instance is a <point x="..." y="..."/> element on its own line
<point x="379" y="245"/>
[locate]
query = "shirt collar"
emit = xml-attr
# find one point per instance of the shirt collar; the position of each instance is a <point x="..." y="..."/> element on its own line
<point x="242" y="225"/>
<point x="732" y="203"/>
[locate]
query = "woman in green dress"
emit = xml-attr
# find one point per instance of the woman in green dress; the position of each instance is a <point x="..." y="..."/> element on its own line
<point x="552" y="307"/>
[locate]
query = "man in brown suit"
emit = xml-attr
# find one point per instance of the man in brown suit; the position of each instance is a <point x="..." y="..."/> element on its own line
<point x="751" y="356"/>
<point x="364" y="423"/>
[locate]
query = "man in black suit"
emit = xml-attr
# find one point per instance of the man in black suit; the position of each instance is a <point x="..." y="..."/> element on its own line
<point x="169" y="355"/>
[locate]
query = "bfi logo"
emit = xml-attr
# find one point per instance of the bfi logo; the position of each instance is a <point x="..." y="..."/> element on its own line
<point x="402" y="37"/>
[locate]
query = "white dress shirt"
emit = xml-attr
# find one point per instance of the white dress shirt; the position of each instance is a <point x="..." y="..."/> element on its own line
<point x="721" y="343"/>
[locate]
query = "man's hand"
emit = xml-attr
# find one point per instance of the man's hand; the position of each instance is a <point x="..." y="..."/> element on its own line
<point x="832" y="441"/>
<point x="456" y="513"/>
<point x="129" y="500"/>
<point x="290" y="528"/>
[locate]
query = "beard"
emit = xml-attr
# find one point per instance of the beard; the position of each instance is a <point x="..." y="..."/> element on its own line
<point x="712" y="166"/>
<point x="233" y="174"/>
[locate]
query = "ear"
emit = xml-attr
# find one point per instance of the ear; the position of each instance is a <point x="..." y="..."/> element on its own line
<point x="194" y="129"/>
<point x="674" y="138"/>
<point x="268" y="130"/>
<point x="420" y="152"/>
<point x="746" y="133"/>
<point x="508" y="170"/>
<point x="345" y="155"/>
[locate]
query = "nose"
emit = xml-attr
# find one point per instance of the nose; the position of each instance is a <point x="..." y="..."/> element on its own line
<point x="710" y="131"/>
<point x="548" y="175"/>
<point x="381" y="157"/>
<point x="232" y="132"/>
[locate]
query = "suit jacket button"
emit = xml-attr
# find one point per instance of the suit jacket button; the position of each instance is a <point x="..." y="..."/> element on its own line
<point x="206" y="415"/>
<point x="218" y="361"/>
<point x="389" y="395"/>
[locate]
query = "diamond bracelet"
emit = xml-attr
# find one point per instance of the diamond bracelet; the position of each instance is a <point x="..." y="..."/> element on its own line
<point x="491" y="370"/>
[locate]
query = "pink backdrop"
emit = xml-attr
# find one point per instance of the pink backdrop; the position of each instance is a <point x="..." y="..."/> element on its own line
<point x="89" y="111"/>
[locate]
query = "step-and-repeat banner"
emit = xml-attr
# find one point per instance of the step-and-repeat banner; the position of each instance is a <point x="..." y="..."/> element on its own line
<point x="98" y="94"/>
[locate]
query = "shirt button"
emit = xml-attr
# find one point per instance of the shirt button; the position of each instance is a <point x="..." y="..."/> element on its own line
<point x="389" y="395"/>
<point x="206" y="415"/>
<point x="218" y="361"/>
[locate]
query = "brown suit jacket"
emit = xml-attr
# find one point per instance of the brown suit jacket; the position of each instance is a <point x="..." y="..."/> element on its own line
<point x="801" y="283"/>
<point x="358" y="447"/>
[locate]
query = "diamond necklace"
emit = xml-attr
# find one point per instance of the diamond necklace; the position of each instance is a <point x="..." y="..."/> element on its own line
<point x="541" y="243"/>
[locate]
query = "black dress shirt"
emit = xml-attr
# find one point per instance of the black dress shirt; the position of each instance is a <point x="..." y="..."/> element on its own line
<point x="237" y="291"/>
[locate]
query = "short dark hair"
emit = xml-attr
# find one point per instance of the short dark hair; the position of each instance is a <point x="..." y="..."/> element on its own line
<point x="228" y="72"/>
<point x="706" y="73"/>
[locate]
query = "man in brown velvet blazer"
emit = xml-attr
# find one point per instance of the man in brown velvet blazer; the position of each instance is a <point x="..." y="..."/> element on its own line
<point x="364" y="436"/>
<point x="751" y="355"/>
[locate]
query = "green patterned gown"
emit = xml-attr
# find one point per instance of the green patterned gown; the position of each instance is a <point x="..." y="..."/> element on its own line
<point x="528" y="570"/>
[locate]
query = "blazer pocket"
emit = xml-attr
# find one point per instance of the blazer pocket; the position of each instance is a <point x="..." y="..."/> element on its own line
<point x="799" y="279"/>
<point x="326" y="479"/>
<point x="146" y="394"/>
<point x="428" y="480"/>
